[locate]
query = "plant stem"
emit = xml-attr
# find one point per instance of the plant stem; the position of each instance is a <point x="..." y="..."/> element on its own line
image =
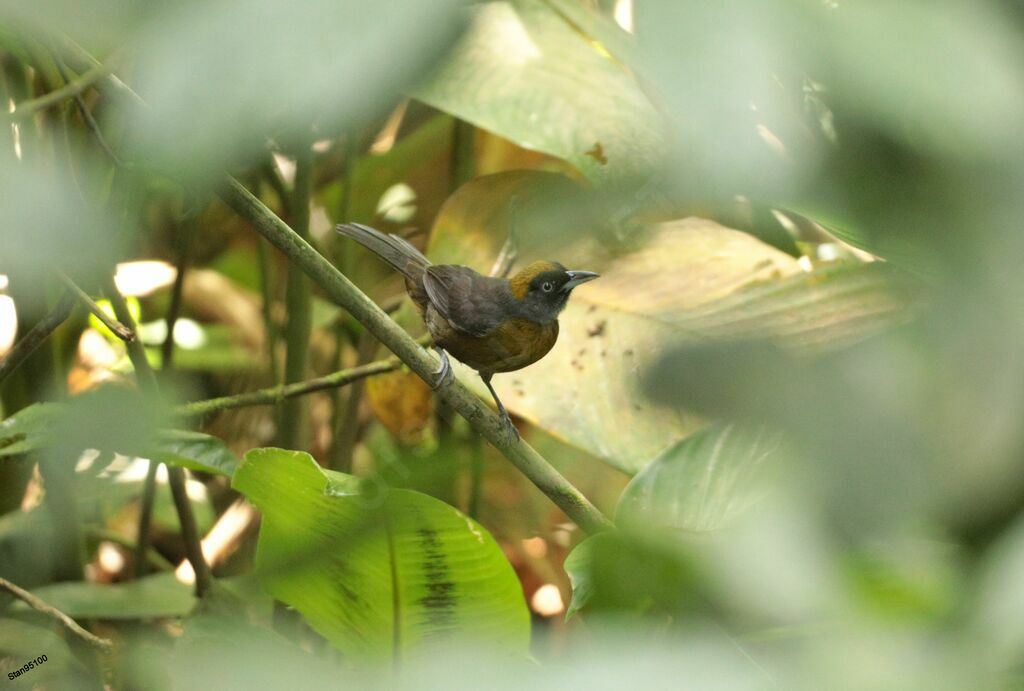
<point x="274" y="394"/>
<point x="51" y="611"/>
<point x="292" y="422"/>
<point x="339" y="289"/>
<point x="184" y="238"/>
<point x="116" y="327"/>
<point x="37" y="335"/>
<point x="146" y="379"/>
<point x="145" y="520"/>
<point x="26" y="109"/>
<point x="346" y="427"/>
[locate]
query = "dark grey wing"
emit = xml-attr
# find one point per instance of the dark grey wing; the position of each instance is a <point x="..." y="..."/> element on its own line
<point x="463" y="297"/>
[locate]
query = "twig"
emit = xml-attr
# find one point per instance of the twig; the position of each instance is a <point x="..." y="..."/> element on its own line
<point x="274" y="394"/>
<point x="28" y="108"/>
<point x="346" y="422"/>
<point x="87" y="118"/>
<point x="339" y="289"/>
<point x="37" y="335"/>
<point x="184" y="237"/>
<point x="51" y="611"/>
<point x="116" y="327"/>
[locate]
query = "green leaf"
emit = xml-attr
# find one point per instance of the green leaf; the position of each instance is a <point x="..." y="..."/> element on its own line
<point x="378" y="573"/>
<point x="616" y="573"/>
<point x="700" y="483"/>
<point x="526" y="73"/>
<point x="578" y="567"/>
<point x="33" y="428"/>
<point x="160" y="595"/>
<point x="26" y="430"/>
<point x="195" y="451"/>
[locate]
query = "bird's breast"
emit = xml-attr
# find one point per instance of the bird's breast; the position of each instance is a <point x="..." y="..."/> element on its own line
<point x="514" y="344"/>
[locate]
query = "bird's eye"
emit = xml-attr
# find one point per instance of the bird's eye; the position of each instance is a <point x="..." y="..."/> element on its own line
<point x="547" y="287"/>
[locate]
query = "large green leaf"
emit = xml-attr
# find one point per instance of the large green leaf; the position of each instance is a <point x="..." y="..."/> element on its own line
<point x="160" y="595"/>
<point x="378" y="573"/>
<point x="701" y="482"/>
<point x="526" y="73"/>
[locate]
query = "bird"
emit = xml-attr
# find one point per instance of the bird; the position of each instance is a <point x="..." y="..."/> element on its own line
<point x="488" y="323"/>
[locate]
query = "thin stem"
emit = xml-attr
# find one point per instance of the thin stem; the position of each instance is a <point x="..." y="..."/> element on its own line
<point x="346" y="427"/>
<point x="116" y="327"/>
<point x="145" y="520"/>
<point x="51" y="611"/>
<point x="37" y="335"/>
<point x="480" y="417"/>
<point x="184" y="237"/>
<point x="147" y="381"/>
<point x="87" y="118"/>
<point x="273" y="394"/>
<point x="28" y="108"/>
<point x="292" y="422"/>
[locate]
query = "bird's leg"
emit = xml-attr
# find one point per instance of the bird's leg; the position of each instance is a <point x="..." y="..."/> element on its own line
<point x="510" y="429"/>
<point x="444" y="372"/>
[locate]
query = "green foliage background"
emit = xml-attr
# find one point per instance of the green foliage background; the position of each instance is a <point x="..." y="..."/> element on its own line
<point x="797" y="387"/>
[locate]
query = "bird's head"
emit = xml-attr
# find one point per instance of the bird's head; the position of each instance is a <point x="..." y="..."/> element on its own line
<point x="542" y="288"/>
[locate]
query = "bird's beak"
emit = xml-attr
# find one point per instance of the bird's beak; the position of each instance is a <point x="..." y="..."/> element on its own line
<point x="578" y="278"/>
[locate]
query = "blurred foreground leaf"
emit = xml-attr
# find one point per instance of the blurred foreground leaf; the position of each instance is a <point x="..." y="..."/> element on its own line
<point x="273" y="70"/>
<point x="526" y="73"/>
<point x="21" y="641"/>
<point x="378" y="573"/>
<point x="223" y="653"/>
<point x="700" y="483"/>
<point x="39" y="426"/>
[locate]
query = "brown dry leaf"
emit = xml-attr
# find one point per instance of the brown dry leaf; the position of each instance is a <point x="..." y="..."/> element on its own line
<point x="402" y="402"/>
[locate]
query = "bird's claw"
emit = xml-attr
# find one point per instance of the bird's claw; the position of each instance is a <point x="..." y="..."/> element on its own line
<point x="443" y="372"/>
<point x="510" y="431"/>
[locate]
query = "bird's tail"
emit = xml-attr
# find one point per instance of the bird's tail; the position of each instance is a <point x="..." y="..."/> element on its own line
<point x="394" y="250"/>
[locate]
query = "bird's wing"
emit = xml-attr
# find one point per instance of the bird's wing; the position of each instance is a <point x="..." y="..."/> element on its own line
<point x="460" y="295"/>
